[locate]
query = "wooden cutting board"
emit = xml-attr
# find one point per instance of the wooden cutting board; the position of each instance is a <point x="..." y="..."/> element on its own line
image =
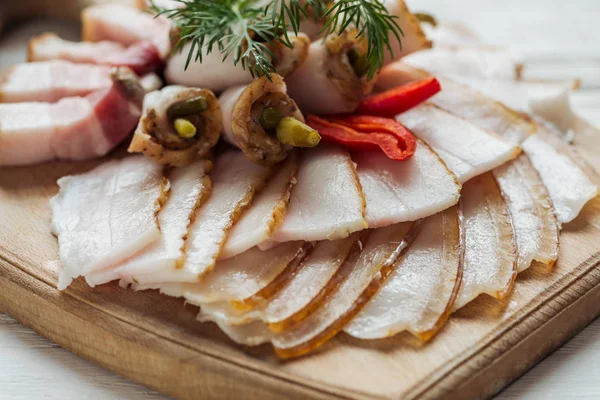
<point x="156" y="341"/>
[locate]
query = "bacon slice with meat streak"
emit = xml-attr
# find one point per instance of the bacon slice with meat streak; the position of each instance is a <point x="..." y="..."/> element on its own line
<point x="74" y="128"/>
<point x="50" y="81"/>
<point x="422" y="286"/>
<point x="189" y="188"/>
<point x="141" y="58"/>
<point x="327" y="201"/>
<point x="106" y="215"/>
<point x="125" y="25"/>
<point x="533" y="217"/>
<point x="405" y="191"/>
<point x="490" y="250"/>
<point x="466" y="149"/>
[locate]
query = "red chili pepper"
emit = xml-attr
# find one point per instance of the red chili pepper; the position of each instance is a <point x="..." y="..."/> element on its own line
<point x="364" y="132"/>
<point x="395" y="101"/>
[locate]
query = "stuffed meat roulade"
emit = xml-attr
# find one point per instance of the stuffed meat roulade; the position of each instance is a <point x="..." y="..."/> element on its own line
<point x="178" y="125"/>
<point x="263" y="121"/>
<point x="331" y="80"/>
<point x="215" y="74"/>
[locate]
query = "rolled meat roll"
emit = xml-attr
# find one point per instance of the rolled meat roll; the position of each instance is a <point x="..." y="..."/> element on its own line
<point x="179" y="124"/>
<point x="215" y="74"/>
<point x="263" y="121"/>
<point x="330" y="80"/>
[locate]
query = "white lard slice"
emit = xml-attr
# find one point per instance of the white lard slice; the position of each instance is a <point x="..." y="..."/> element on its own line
<point x="466" y="149"/>
<point x="106" y="215"/>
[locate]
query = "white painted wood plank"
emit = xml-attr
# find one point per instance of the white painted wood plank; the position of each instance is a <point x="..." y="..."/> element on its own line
<point x="32" y="367"/>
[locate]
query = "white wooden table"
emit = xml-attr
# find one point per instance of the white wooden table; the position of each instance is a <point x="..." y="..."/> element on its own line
<point x="556" y="40"/>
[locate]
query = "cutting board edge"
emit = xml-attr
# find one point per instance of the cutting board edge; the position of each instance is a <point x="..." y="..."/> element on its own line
<point x="227" y="378"/>
<point x="512" y="352"/>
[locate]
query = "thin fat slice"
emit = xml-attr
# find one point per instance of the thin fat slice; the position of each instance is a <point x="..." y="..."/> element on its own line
<point x="300" y="295"/>
<point x="568" y="185"/>
<point x="265" y="214"/>
<point x="405" y="191"/>
<point x="236" y="279"/>
<point x="234" y="182"/>
<point x="484" y="112"/>
<point x="466" y="149"/>
<point x="481" y="61"/>
<point x="420" y="292"/>
<point x="189" y="187"/>
<point x="106" y="215"/>
<point x="490" y="251"/>
<point x="327" y="201"/>
<point x="359" y="277"/>
<point x="463" y="101"/>
<point x="533" y="217"/>
<point x="50" y="81"/>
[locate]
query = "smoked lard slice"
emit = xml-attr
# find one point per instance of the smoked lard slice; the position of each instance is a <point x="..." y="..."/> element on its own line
<point x="466" y="149"/>
<point x="236" y="279"/>
<point x="266" y="213"/>
<point x="234" y="182"/>
<point x="189" y="188"/>
<point x="408" y="190"/>
<point x="360" y="277"/>
<point x="327" y="201"/>
<point x="299" y="296"/>
<point x="490" y="251"/>
<point x="569" y="186"/>
<point x="532" y="212"/>
<point x="107" y="215"/>
<point x="421" y="290"/>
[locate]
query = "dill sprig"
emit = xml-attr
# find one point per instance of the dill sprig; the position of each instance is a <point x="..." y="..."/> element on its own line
<point x="370" y="18"/>
<point x="247" y="30"/>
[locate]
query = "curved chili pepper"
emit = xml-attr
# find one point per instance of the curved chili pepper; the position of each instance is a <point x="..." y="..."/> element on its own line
<point x="363" y="132"/>
<point x="395" y="101"/>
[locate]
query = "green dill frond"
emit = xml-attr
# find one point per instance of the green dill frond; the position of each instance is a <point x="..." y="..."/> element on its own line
<point x="247" y="30"/>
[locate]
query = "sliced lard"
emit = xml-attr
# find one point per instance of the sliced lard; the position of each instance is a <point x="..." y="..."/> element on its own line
<point x="107" y="215"/>
<point x="189" y="187"/>
<point x="490" y="249"/>
<point x="466" y="149"/>
<point x="266" y="213"/>
<point x="408" y="190"/>
<point x="422" y="286"/>
<point x="327" y="201"/>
